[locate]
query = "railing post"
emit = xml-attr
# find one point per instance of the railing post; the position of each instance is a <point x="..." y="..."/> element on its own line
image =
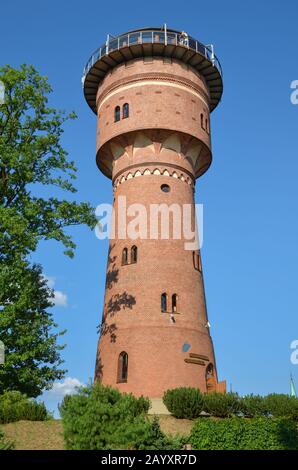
<point x="107" y="44"/>
<point x="212" y="54"/>
<point x="128" y="40"/>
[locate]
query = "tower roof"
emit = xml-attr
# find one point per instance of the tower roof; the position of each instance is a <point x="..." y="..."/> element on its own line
<point x="157" y="42"/>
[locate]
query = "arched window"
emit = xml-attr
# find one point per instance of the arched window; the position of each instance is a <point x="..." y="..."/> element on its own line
<point x="122" y="367"/>
<point x="210" y="378"/>
<point x="174" y="302"/>
<point x="209" y="370"/>
<point x="163" y="300"/>
<point x="134" y="254"/>
<point x="202" y="121"/>
<point x="117" y="114"/>
<point x="124" y="256"/>
<point x="206" y="125"/>
<point x="125" y="110"/>
<point x="197" y="261"/>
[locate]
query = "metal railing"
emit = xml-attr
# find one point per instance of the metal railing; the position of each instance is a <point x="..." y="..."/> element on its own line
<point x="153" y="37"/>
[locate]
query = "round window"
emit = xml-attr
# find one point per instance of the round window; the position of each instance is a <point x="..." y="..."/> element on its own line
<point x="165" y="188"/>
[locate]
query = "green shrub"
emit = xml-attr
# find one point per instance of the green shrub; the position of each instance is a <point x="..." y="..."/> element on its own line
<point x="253" y="406"/>
<point x="281" y="405"/>
<point x="4" y="443"/>
<point x="244" y="434"/>
<point x="221" y="405"/>
<point x="99" y="417"/>
<point x="184" y="402"/>
<point x="15" y="406"/>
<point x="154" y="439"/>
<point x="277" y="405"/>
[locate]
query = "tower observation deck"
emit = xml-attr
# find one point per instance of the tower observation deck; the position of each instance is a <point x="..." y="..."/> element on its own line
<point x="148" y="42"/>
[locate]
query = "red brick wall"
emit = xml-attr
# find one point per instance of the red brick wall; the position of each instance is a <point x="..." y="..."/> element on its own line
<point x="133" y="321"/>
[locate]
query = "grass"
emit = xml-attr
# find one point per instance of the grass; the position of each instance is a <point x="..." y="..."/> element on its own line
<point x="35" y="435"/>
<point x="48" y="435"/>
<point x="171" y="426"/>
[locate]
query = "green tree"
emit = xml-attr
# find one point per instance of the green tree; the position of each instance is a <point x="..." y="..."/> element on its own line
<point x="31" y="155"/>
<point x="31" y="158"/>
<point x="32" y="352"/>
<point x="99" y="417"/>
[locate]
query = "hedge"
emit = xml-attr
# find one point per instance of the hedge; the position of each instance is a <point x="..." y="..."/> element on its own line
<point x="184" y="402"/>
<point x="221" y="405"/>
<point x="190" y="402"/>
<point x="244" y="434"/>
<point x="278" y="404"/>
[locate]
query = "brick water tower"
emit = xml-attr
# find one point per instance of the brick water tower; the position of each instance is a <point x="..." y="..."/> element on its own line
<point x="153" y="90"/>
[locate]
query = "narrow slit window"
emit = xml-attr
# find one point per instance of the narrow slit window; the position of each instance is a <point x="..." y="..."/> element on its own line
<point x="174" y="302"/>
<point x="117" y="114"/>
<point x="124" y="256"/>
<point x="164" y="302"/>
<point x="202" y="121"/>
<point x="125" y="110"/>
<point x="197" y="261"/>
<point x="134" y="254"/>
<point x="123" y="367"/>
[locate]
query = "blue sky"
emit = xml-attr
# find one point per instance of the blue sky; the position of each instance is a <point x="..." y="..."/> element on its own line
<point x="250" y="193"/>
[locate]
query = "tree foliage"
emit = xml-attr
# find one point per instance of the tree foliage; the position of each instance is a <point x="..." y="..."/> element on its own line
<point x="32" y="352"/>
<point x="31" y="155"/>
<point x="14" y="406"/>
<point x="244" y="434"/>
<point x="221" y="405"/>
<point x="33" y="163"/>
<point x="99" y="417"/>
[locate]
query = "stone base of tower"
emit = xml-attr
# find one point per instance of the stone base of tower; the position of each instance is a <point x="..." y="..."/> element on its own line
<point x="158" y="407"/>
